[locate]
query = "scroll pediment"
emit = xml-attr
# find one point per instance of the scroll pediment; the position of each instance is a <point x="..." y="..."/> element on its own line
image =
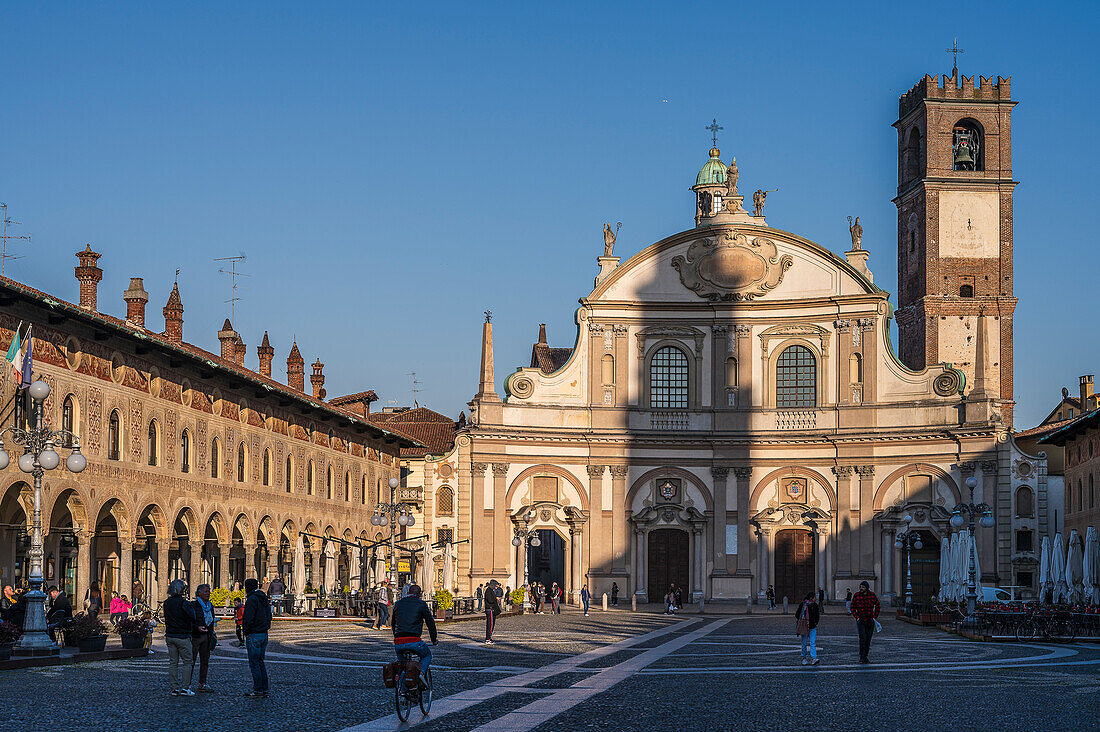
<point x="732" y="267"/>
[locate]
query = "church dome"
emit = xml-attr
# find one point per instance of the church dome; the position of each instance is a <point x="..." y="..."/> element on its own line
<point x="713" y="171"/>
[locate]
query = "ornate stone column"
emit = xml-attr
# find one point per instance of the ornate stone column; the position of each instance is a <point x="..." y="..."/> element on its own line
<point x="576" y="571"/>
<point x="700" y="560"/>
<point x="83" y="567"/>
<point x="502" y="539"/>
<point x="887" y="589"/>
<point x="619" y="529"/>
<point x="820" y="564"/>
<point x="125" y="566"/>
<point x="223" y="565"/>
<point x="639" y="565"/>
<point x="1001" y="533"/>
<point x="250" y="564"/>
<point x="763" y="544"/>
<point x="194" y="576"/>
<point x="718" y="535"/>
<point x="315" y="566"/>
<point x="480" y="549"/>
<point x="163" y="545"/>
<point x="744" y="534"/>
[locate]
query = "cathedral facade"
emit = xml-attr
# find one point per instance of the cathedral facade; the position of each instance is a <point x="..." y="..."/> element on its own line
<point x="732" y="414"/>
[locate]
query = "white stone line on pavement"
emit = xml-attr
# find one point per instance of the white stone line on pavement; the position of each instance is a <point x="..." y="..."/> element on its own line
<point x="466" y="699"/>
<point x="542" y="710"/>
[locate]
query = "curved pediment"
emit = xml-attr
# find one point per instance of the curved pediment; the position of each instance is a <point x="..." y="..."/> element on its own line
<point x="732" y="263"/>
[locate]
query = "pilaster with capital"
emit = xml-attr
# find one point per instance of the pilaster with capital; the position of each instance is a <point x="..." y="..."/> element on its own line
<point x="845" y="530"/>
<point x="866" y="525"/>
<point x="502" y="533"/>
<point x="194" y="576"/>
<point x="720" y="347"/>
<point x="741" y="344"/>
<point x="599" y="544"/>
<point x="720" y="475"/>
<point x="619" y="530"/>
<point x="742" y="474"/>
<point x="163" y="545"/>
<point x="481" y="554"/>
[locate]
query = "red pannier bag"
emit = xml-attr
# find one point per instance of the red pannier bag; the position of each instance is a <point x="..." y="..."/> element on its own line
<point x="389" y="674"/>
<point x="412" y="673"/>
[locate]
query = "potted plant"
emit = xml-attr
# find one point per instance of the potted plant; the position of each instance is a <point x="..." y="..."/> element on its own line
<point x="444" y="601"/>
<point x="88" y="633"/>
<point x="9" y="634"/>
<point x="132" y="630"/>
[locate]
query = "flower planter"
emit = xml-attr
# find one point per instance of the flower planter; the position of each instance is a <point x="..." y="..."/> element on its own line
<point x="92" y="644"/>
<point x="440" y="614"/>
<point x="132" y="641"/>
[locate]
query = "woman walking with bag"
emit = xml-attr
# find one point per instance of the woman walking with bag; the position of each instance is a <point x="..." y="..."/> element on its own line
<point x="807" y="617"/>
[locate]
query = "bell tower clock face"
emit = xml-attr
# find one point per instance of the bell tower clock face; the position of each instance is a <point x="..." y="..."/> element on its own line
<point x="668" y="489"/>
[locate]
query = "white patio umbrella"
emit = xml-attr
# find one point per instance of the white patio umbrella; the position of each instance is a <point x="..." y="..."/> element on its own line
<point x="1044" y="567"/>
<point x="945" y="570"/>
<point x="353" y="568"/>
<point x="379" y="567"/>
<point x="427" y="572"/>
<point x="1074" y="567"/>
<point x="299" y="569"/>
<point x="330" y="565"/>
<point x="1058" y="567"/>
<point x="1091" y="566"/>
<point x="959" y="566"/>
<point x="448" y="567"/>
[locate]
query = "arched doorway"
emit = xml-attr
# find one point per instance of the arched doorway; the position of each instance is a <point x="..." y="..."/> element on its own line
<point x="546" y="562"/>
<point x="667" y="563"/>
<point x="924" y="563"/>
<point x="794" y="564"/>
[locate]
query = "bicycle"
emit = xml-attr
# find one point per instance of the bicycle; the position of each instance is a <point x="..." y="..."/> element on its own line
<point x="404" y="697"/>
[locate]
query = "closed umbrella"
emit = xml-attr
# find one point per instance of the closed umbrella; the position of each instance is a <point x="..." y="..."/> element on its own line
<point x="448" y="567"/>
<point x="330" y="565"/>
<point x="427" y="569"/>
<point x="945" y="570"/>
<point x="353" y="568"/>
<point x="1091" y="566"/>
<point x="299" y="570"/>
<point x="1044" y="568"/>
<point x="959" y="566"/>
<point x="379" y="566"/>
<point x="1058" y="568"/>
<point x="1074" y="567"/>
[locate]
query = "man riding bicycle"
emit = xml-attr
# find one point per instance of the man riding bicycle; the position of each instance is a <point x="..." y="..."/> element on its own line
<point x="408" y="618"/>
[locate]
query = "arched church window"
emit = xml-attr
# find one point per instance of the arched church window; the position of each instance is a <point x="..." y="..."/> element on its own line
<point x="185" y="451"/>
<point x="668" y="379"/>
<point x="289" y="474"/>
<point x="242" y="459"/>
<point x="153" y="442"/>
<point x="913" y="155"/>
<point x="607" y="369"/>
<point x="444" y="502"/>
<point x="966" y="146"/>
<point x="717" y="204"/>
<point x="966" y="291"/>
<point x="855" y="368"/>
<point x="214" y="458"/>
<point x="68" y="412"/>
<point x="731" y="382"/>
<point x="1025" y="502"/>
<point x="114" y="437"/>
<point x="267" y="467"/>
<point x="796" y="378"/>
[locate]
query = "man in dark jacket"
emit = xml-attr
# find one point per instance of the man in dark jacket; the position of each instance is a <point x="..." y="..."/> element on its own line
<point x="492" y="609"/>
<point x="203" y="638"/>
<point x="255" y="624"/>
<point x="410" y="613"/>
<point x="865" y="608"/>
<point x="60" y="610"/>
<point x="179" y="625"/>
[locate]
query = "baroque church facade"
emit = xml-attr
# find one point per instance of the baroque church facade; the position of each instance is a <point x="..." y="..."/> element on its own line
<point x="733" y="415"/>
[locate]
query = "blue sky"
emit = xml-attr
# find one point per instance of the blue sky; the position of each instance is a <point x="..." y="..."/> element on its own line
<point x="393" y="170"/>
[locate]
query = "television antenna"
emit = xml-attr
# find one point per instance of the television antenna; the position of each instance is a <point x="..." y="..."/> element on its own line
<point x="233" y="274"/>
<point x="415" y="390"/>
<point x="6" y="237"/>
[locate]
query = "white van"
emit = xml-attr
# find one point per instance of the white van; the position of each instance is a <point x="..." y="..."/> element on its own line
<point x="996" y="594"/>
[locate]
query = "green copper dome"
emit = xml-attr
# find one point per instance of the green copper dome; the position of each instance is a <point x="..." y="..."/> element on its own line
<point x="713" y="171"/>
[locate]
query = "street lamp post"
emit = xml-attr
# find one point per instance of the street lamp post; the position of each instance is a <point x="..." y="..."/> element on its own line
<point x="38" y="456"/>
<point x="524" y="537"/>
<point x="393" y="513"/>
<point x="983" y="513"/>
<point x="908" y="539"/>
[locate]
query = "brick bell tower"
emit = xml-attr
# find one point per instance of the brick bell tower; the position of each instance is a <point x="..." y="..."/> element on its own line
<point x="955" y="229"/>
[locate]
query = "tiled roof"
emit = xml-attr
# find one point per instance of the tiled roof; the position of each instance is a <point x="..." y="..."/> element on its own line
<point x="547" y="359"/>
<point x="1072" y="427"/>
<point x="363" y="396"/>
<point x="433" y="430"/>
<point x="129" y="330"/>
<point x="1043" y="429"/>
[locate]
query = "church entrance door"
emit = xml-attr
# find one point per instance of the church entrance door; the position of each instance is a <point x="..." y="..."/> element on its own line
<point x="546" y="562"/>
<point x="924" y="563"/>
<point x="668" y="563"/>
<point x="794" y="565"/>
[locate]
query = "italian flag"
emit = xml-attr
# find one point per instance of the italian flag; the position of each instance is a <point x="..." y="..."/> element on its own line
<point x="18" y="355"/>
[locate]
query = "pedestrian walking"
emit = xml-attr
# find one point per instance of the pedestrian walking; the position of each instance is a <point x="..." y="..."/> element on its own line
<point x="806" y="619"/>
<point x="203" y="638"/>
<point x="865" y="609"/>
<point x="586" y="598"/>
<point x="179" y="626"/>
<point x="137" y="591"/>
<point x="679" y="597"/>
<point x="537" y="596"/>
<point x="257" y="622"/>
<point x="507" y="597"/>
<point x="770" y="594"/>
<point x="821" y="598"/>
<point x="115" y="609"/>
<point x="238" y="618"/>
<point x="492" y="610"/>
<point x="385" y="600"/>
<point x="479" y="593"/>
<point x="614" y="593"/>
<point x="848" y="602"/>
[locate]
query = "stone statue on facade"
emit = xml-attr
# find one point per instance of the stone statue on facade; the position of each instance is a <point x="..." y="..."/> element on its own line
<point x="758" y="200"/>
<point x="857" y="233"/>
<point x="609" y="239"/>
<point x="732" y="175"/>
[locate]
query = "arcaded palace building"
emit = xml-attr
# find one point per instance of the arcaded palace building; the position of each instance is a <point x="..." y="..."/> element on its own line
<point x="198" y="466"/>
<point x="733" y="414"/>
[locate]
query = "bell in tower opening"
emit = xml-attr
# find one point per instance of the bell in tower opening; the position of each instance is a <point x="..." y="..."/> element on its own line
<point x="966" y="146"/>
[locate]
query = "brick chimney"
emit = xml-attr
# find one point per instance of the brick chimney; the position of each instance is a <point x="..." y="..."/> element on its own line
<point x="242" y="351"/>
<point x="1088" y="401"/>
<point x="89" y="275"/>
<point x="136" y="297"/>
<point x="296" y="369"/>
<point x="318" y="380"/>
<point x="173" y="316"/>
<point x="266" y="353"/>
<point x="228" y="338"/>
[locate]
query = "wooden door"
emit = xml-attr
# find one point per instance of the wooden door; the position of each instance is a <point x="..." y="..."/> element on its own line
<point x="794" y="565"/>
<point x="925" y="566"/>
<point x="668" y="563"/>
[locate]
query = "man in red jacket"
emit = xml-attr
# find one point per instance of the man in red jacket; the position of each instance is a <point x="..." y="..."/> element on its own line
<point x="865" y="609"/>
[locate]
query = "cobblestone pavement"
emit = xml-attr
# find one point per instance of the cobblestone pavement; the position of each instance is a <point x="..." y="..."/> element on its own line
<point x="614" y="670"/>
